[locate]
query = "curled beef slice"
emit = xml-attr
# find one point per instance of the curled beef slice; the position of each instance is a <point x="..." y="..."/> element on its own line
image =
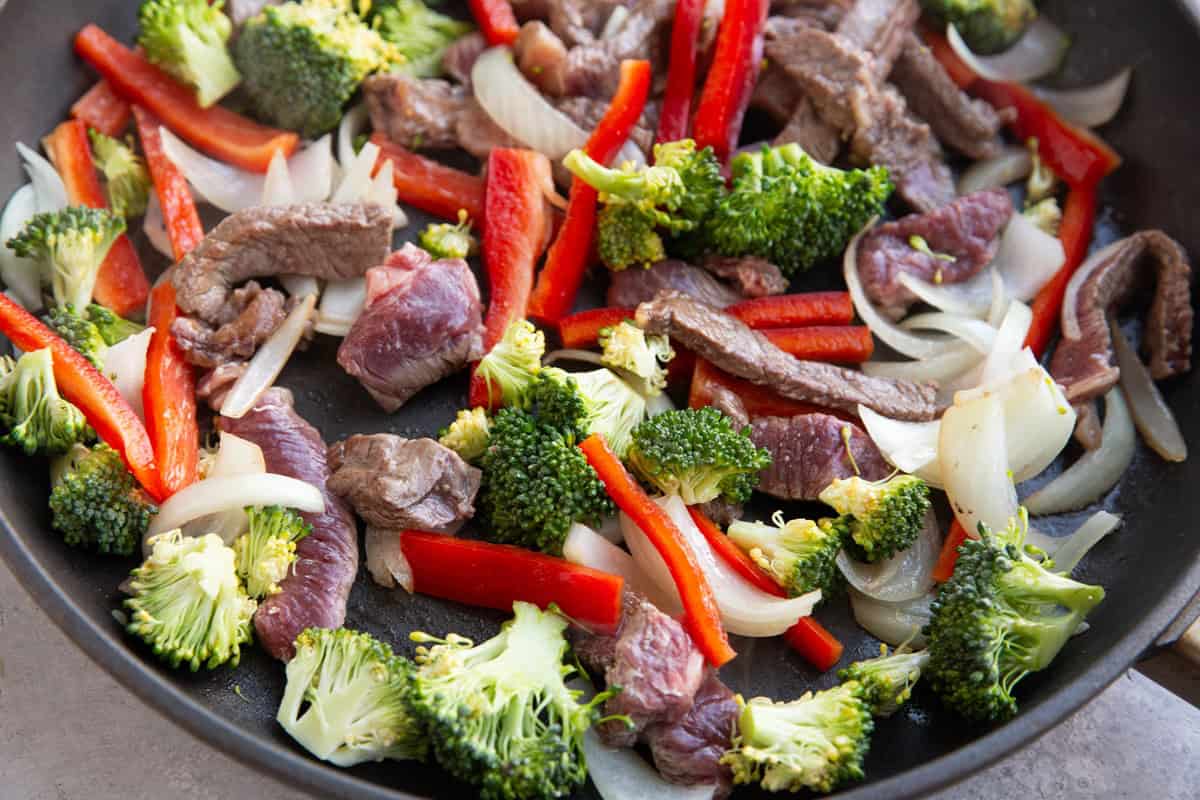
<point x="631" y="287"/>
<point x="251" y="316"/>
<point x="880" y="27"/>
<point x="415" y="112"/>
<point x="967" y="230"/>
<point x="1083" y="359"/>
<point x="810" y="451"/>
<point x="459" y="58"/>
<point x="314" y="593"/>
<point x="750" y="275"/>
<point x="689" y="750"/>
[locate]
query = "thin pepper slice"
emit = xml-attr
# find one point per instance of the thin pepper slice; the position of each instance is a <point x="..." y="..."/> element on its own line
<point x="496" y="20"/>
<point x="836" y="344"/>
<point x="949" y="555"/>
<point x="731" y="78"/>
<point x="174" y="195"/>
<point x="814" y="643"/>
<point x="102" y="109"/>
<point x="795" y="310"/>
<point x="681" y="71"/>
<point x="431" y="186"/>
<point x="169" y="397"/>
<point x="1079" y="218"/>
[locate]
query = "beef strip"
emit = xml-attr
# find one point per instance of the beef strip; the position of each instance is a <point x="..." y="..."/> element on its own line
<point x="593" y="68"/>
<point x="750" y="275"/>
<point x="320" y="240"/>
<point x="258" y="312"/>
<point x="806" y="128"/>
<point x="967" y="229"/>
<point x="314" y="593"/>
<point x="215" y="384"/>
<point x="422" y="322"/>
<point x="400" y="483"/>
<point x="586" y="112"/>
<point x="824" y="14"/>
<point x="689" y="751"/>
<point x="631" y="287"/>
<point x="775" y="93"/>
<point x="729" y="404"/>
<point x="729" y="344"/>
<point x="478" y="133"/>
<point x="881" y="27"/>
<point x="542" y="58"/>
<point x="576" y="22"/>
<point x="418" y="113"/>
<point x="1083" y="359"/>
<point x="460" y="56"/>
<point x="808" y="452"/>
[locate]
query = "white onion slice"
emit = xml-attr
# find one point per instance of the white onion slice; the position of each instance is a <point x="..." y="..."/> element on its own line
<point x="383" y="192"/>
<point x="1070" y="322"/>
<point x="972" y="298"/>
<point x="973" y="458"/>
<point x="974" y="332"/>
<point x="22" y="276"/>
<point x="1027" y="258"/>
<point x="1073" y="548"/>
<point x="587" y="548"/>
<point x="235" y="456"/>
<point x="1097" y="470"/>
<point x="1151" y="413"/>
<point x="353" y="123"/>
<point x="1010" y="338"/>
<point x="910" y="447"/>
<point x="277" y="185"/>
<point x="1010" y="165"/>
<point x="341" y="304"/>
<point x="893" y="623"/>
<point x="1089" y="106"/>
<point x="355" y="182"/>
<point x="222" y="185"/>
<point x="269" y="361"/>
<point x="155" y="228"/>
<point x="610" y="529"/>
<point x="1037" y="53"/>
<point x="311" y="171"/>
<point x="48" y="186"/>
<point x="125" y="366"/>
<point x="1000" y="301"/>
<point x="300" y="285"/>
<point x="905" y="576"/>
<point x="939" y="368"/>
<point x="616" y="19"/>
<point x="619" y="773"/>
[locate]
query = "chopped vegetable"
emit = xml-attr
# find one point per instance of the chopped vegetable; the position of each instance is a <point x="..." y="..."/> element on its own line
<point x="795" y="310"/>
<point x="887" y="681"/>
<point x="987" y="26"/>
<point x="840" y="344"/>
<point x="113" y="328"/>
<point x="420" y="34"/>
<point x="799" y="554"/>
<point x="174" y="195"/>
<point x="627" y="347"/>
<point x="583" y="329"/>
<point x="733" y="555"/>
<point x="425" y="184"/>
<point x="1079" y="218"/>
<point x="79" y="332"/>
<point x="614" y="407"/>
<point x="70" y="245"/>
<point x="34" y="416"/>
<point x="949" y="555"/>
<point x="884" y="518"/>
<point x="127" y="182"/>
<point x="188" y="39"/>
<point x="512" y="363"/>
<point x="814" y="643"/>
<point x="169" y="397"/>
<point x="496" y="20"/>
<point x="96" y="504"/>
<point x="736" y="60"/>
<point x="443" y="240"/>
<point x="676" y="109"/>
<point x="266" y="551"/>
<point x="101" y="109"/>
<point x="468" y="435"/>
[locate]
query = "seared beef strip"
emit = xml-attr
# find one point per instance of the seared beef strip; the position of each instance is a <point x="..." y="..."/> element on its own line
<point x="810" y="451"/>
<point x="729" y="344"/>
<point x="689" y="751"/>
<point x="400" y="483"/>
<point x="314" y="593"/>
<point x="593" y="68"/>
<point x="881" y="27"/>
<point x="968" y="230"/>
<point x="460" y="56"/>
<point x="542" y="58"/>
<point x="806" y="128"/>
<point x="215" y="384"/>
<point x="750" y="275"/>
<point x="824" y="14"/>
<point x="576" y="22"/>
<point x="586" y="112"/>
<point x="1083" y="359"/>
<point x="729" y="404"/>
<point x="418" y="113"/>
<point x="422" y="322"/>
<point x="631" y="287"/>
<point x="1089" y="431"/>
<point x="256" y="313"/>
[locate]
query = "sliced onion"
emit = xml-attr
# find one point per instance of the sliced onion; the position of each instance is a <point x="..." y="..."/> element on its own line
<point x="22" y="276"/>
<point x="1097" y="470"/>
<point x="1027" y="258"/>
<point x="893" y="623"/>
<point x="1012" y="164"/>
<point x="1010" y="338"/>
<point x="341" y="304"/>
<point x="268" y="362"/>
<point x="1073" y="548"/>
<point x="1151" y="413"/>
<point x="905" y="576"/>
<point x="1000" y="300"/>
<point x="125" y="365"/>
<point x="383" y="192"/>
<point x="616" y="19"/>
<point x="353" y="123"/>
<point x="970" y="298"/>
<point x="311" y="171"/>
<point x="235" y="456"/>
<point x="355" y="181"/>
<point x="974" y="332"/>
<point x="745" y="609"/>
<point x="155" y="228"/>
<point x="574" y="354"/>
<point x="610" y="529"/>
<point x="1070" y="322"/>
<point x="1036" y="54"/>
<point x="48" y="186"/>
<point x="910" y="447"/>
<point x="385" y="559"/>
<point x="619" y="773"/>
<point x="939" y="368"/>
<point x="587" y="548"/>
<point x="1089" y="106"/>
<point x="222" y="185"/>
<point x="277" y="185"/>
<point x="214" y="495"/>
<point x="300" y="285"/>
<point x="974" y="464"/>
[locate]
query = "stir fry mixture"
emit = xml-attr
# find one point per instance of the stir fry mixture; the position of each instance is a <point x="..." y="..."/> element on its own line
<point x="596" y="482"/>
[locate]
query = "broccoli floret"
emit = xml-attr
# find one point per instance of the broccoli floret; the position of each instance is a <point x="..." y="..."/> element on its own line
<point x="468" y="435"/>
<point x="614" y="407"/>
<point x="888" y="680"/>
<point x="627" y="347"/>
<point x="187" y="604"/>
<point x="514" y="361"/>
<point x="700" y="173"/>
<point x="886" y="517"/>
<point x="555" y="400"/>
<point x="126" y="179"/>
<point x="302" y="61"/>
<point x="96" y="504"/>
<point x="80" y="333"/>
<point x="499" y="714"/>
<point x="1046" y="215"/>
<point x="626" y="237"/>
<point x="420" y="34"/>
<point x="1002" y="615"/>
<point x="799" y="554"/>
<point x="347" y="699"/>
<point x="817" y="742"/>
<point x="33" y="415"/>
<point x="536" y="484"/>
<point x="698" y="455"/>
<point x="443" y="240"/>
<point x="987" y="26"/>
<point x="187" y="38"/>
<point x="70" y="245"/>
<point x="267" y="550"/>
<point x="112" y="328"/>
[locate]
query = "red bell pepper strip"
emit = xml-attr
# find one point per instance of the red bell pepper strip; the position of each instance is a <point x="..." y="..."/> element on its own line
<point x="174" y="195"/>
<point x="496" y="20"/>
<point x="514" y="232"/>
<point x="431" y="186"/>
<point x="571" y="252"/>
<point x="814" y="643"/>
<point x="949" y="555"/>
<point x="169" y="397"/>
<point x="102" y="109"/>
<point x="681" y="71"/>
<point x="838" y="344"/>
<point x="121" y="283"/>
<point x="758" y="401"/>
<point x="1079" y="217"/>
<point x="701" y="617"/>
<point x="497" y="575"/>
<point x="735" y="66"/>
<point x="106" y="411"/>
<point x="583" y="329"/>
<point x="216" y="130"/>
<point x="795" y="310"/>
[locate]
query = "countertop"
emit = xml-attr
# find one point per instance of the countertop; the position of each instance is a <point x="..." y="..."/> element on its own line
<point x="69" y="732"/>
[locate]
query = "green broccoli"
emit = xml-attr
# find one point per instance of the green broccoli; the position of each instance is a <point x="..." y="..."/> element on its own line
<point x="79" y="332"/>
<point x="126" y="179"/>
<point x="627" y="347"/>
<point x="188" y="38"/>
<point x="33" y="415"/>
<point x="614" y="407"/>
<point x="799" y="554"/>
<point x="514" y="361"/>
<point x="886" y="517"/>
<point x="267" y="550"/>
<point x="443" y="240"/>
<point x="1046" y="214"/>
<point x="1002" y="615"/>
<point x="987" y="26"/>
<point x="817" y="742"/>
<point x="186" y="602"/>
<point x="302" y="61"/>
<point x="698" y="455"/>
<point x="112" y="327"/>
<point x="499" y="714"/>
<point x="626" y="237"/>
<point x="95" y="503"/>
<point x="887" y="681"/>
<point x="555" y="400"/>
<point x="419" y="33"/>
<point x="347" y="699"/>
<point x="70" y="245"/>
<point x="468" y="435"/>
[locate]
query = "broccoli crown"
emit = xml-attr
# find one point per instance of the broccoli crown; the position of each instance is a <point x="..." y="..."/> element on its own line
<point x="514" y="361"/>
<point x="33" y="415"/>
<point x="615" y="407"/>
<point x="555" y="401"/>
<point x="801" y="555"/>
<point x="96" y="504"/>
<point x="126" y="179"/>
<point x="187" y="38"/>
<point x="987" y="26"/>
<point x="626" y="236"/>
<point x="885" y="517"/>
<point x="1002" y="615"/>
<point x="70" y="245"/>
<point x="817" y="742"/>
<point x="79" y="332"/>
<point x="700" y="173"/>
<point x="536" y="484"/>
<point x="112" y="327"/>
<point x="347" y="699"/>
<point x="499" y="714"/>
<point x="187" y="604"/>
<point x="267" y="550"/>
<point x="468" y="435"/>
<point x="443" y="240"/>
<point x="698" y="455"/>
<point x="627" y="347"/>
<point x="888" y="680"/>
<point x="301" y="62"/>
<point x="420" y="34"/>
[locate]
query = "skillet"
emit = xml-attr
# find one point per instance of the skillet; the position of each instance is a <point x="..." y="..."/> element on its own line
<point x="1150" y="568"/>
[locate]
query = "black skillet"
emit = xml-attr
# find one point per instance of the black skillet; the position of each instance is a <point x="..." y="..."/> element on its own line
<point x="1150" y="567"/>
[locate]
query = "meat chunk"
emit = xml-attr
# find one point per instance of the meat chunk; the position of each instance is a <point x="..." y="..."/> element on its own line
<point x="399" y="483"/>
<point x="478" y="133"/>
<point x="881" y="27"/>
<point x="576" y="22"/>
<point x="593" y="68"/>
<point x="542" y="58"/>
<point x="750" y="275"/>
<point x="630" y="287"/>
<point x="254" y="314"/>
<point x="729" y="344"/>
<point x="968" y="230"/>
<point x="586" y="112"/>
<point x="1083" y="360"/>
<point x="460" y="56"/>
<point x="314" y="593"/>
<point x="806" y="128"/>
<point x="689" y="751"/>
<point x="810" y="451"/>
<point x="824" y="14"/>
<point x="415" y="112"/>
<point x="425" y="324"/>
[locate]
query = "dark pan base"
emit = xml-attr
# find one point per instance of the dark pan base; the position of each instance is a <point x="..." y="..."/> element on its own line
<point x="1150" y="567"/>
